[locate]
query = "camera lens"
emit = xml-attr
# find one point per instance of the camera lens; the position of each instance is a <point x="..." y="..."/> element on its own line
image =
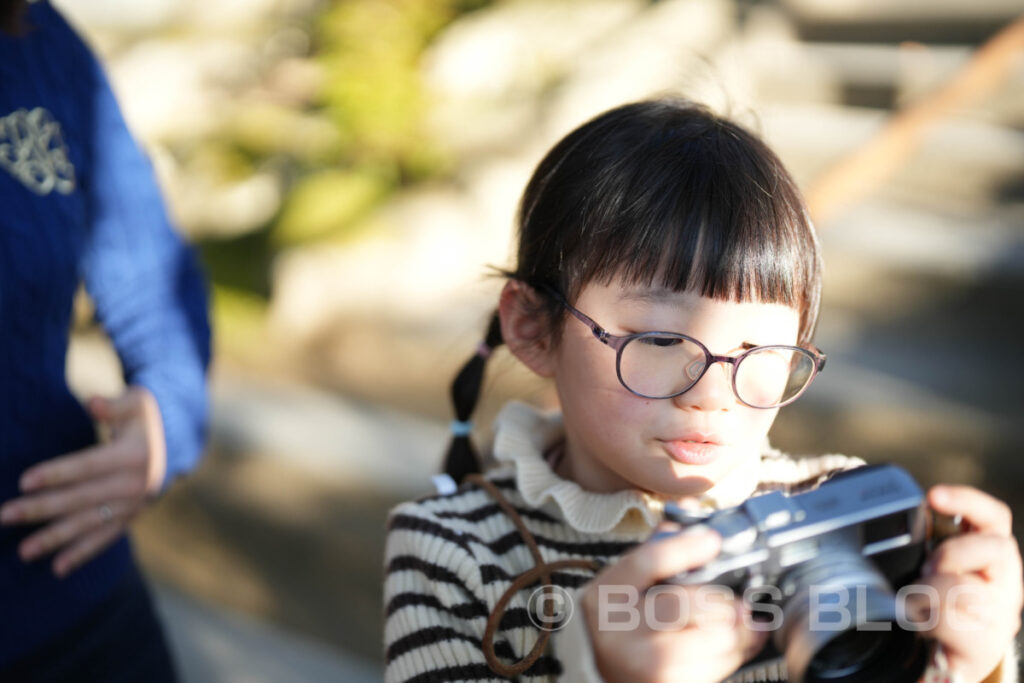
<point x="883" y="656"/>
<point x="840" y="624"/>
<point x="846" y="654"/>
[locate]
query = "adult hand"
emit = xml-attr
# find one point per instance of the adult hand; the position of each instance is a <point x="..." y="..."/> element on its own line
<point x="977" y="580"/>
<point x="87" y="498"/>
<point x="691" y="634"/>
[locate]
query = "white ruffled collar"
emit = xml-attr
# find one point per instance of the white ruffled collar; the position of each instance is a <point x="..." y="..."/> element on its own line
<point x="522" y="434"/>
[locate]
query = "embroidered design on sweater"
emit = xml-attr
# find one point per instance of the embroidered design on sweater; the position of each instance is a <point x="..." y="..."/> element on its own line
<point x="32" y="150"/>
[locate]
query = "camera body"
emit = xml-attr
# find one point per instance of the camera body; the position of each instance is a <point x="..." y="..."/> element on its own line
<point x="855" y="538"/>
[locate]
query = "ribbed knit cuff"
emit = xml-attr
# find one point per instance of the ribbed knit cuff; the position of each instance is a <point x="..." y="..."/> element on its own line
<point x="184" y="433"/>
<point x="574" y="649"/>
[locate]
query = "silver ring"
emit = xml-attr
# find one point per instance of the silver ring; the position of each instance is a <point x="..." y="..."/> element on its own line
<point x="106" y="514"/>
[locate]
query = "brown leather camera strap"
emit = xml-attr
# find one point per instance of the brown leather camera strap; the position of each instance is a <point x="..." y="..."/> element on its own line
<point x="541" y="571"/>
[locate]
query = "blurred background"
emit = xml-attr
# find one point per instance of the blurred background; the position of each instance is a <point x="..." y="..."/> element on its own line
<point x="348" y="170"/>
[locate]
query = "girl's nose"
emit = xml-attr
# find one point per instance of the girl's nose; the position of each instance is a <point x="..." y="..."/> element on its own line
<point x="712" y="392"/>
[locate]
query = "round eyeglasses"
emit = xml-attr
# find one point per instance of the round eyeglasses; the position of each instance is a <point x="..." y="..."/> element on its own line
<point x="667" y="364"/>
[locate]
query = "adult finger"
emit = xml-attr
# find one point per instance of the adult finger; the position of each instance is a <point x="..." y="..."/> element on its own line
<point x="662" y="558"/>
<point x="982" y="511"/>
<point x="117" y="408"/>
<point x="54" y="503"/>
<point x="992" y="556"/>
<point x="67" y="528"/>
<point x="86" y="547"/>
<point x="80" y="465"/>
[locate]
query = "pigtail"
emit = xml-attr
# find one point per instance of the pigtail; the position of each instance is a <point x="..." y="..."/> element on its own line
<point x="462" y="458"/>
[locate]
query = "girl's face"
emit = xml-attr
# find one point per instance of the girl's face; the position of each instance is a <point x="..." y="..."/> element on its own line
<point x="676" y="447"/>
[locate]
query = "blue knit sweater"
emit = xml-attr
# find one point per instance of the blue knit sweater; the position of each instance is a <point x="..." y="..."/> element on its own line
<point x="79" y="203"/>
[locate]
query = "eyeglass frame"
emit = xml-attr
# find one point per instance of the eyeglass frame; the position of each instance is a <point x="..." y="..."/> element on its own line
<point x="619" y="342"/>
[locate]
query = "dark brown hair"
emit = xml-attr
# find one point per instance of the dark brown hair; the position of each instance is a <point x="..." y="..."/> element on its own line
<point x="660" y="192"/>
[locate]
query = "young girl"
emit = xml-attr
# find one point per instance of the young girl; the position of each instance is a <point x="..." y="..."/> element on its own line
<point x="668" y="281"/>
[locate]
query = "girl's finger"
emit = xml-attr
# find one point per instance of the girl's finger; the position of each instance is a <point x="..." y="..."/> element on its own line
<point x="970" y="619"/>
<point x="66" y="529"/>
<point x="993" y="557"/>
<point x="945" y="605"/>
<point x="91" y="493"/>
<point x="86" y="547"/>
<point x="714" y="606"/>
<point x="721" y="650"/>
<point x="985" y="513"/>
<point x="80" y="465"/>
<point x="662" y="558"/>
<point x="711" y="641"/>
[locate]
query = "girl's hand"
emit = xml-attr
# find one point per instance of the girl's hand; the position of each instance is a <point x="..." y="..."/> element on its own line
<point x="684" y="634"/>
<point x="977" y="577"/>
<point x="87" y="498"/>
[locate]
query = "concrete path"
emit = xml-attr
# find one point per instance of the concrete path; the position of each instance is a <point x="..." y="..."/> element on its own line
<point x="216" y="646"/>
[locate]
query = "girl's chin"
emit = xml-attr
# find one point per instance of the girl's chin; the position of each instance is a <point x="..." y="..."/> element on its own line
<point x="695" y="480"/>
<point x="686" y="482"/>
<point x="725" y="483"/>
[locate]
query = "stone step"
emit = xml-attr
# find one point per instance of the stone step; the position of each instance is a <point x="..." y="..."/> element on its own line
<point x="957" y="160"/>
<point x="955" y="242"/>
<point x="890" y="76"/>
<point x="944" y="21"/>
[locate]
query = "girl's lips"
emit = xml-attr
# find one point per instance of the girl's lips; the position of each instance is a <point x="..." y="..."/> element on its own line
<point x="694" y="452"/>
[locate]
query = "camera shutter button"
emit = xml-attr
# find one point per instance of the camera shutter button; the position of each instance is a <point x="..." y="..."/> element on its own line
<point x="739" y="541"/>
<point x="771" y="511"/>
<point x="737" y="532"/>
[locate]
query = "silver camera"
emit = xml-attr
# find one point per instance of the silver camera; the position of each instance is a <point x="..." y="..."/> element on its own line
<point x="826" y="565"/>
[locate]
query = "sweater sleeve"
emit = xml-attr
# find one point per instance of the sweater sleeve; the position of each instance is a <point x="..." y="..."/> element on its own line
<point x="434" y="614"/>
<point x="575" y="650"/>
<point x="147" y="287"/>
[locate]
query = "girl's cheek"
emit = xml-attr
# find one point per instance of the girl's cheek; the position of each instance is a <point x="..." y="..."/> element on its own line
<point x="633" y="411"/>
<point x="762" y="423"/>
<point x="753" y="429"/>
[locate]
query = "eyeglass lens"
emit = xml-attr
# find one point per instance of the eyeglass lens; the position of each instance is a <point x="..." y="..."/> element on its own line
<point x="659" y="366"/>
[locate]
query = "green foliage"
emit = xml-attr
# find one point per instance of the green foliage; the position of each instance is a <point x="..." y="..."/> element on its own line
<point x="241" y="264"/>
<point x="342" y="153"/>
<point x="326" y="203"/>
<point x="239" y="322"/>
<point x="370" y="50"/>
<point x="268" y="129"/>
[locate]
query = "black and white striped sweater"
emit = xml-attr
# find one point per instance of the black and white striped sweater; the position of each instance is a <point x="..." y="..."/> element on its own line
<point x="449" y="558"/>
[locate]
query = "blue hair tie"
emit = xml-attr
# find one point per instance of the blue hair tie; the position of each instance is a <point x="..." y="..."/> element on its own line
<point x="461" y="428"/>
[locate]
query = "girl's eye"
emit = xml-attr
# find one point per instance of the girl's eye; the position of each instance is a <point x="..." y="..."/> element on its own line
<point x="661" y="341"/>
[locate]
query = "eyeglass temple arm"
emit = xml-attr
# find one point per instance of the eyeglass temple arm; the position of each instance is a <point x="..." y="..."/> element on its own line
<point x="599" y="332"/>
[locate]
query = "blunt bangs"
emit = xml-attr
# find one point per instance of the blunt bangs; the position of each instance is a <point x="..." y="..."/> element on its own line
<point x="664" y="193"/>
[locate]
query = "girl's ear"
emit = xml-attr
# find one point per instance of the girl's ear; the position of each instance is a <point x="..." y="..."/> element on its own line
<point x="525" y="329"/>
